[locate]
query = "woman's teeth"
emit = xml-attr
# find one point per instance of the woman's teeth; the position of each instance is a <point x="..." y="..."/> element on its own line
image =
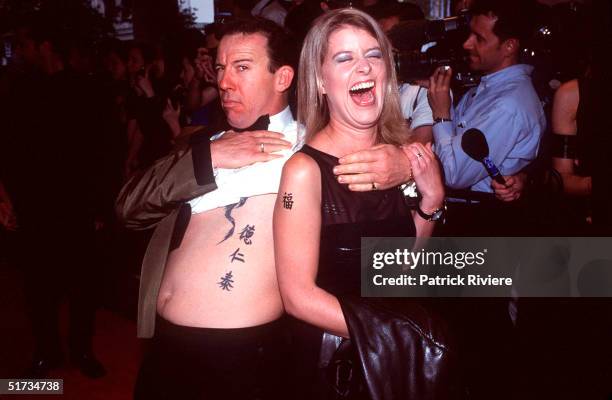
<point x="362" y="86"/>
<point x="363" y="93"/>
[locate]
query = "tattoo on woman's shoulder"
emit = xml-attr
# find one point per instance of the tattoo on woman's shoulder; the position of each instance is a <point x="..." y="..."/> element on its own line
<point x="288" y="201"/>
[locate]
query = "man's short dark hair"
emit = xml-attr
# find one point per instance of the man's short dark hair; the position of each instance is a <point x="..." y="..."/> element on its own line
<point x="515" y="19"/>
<point x="281" y="50"/>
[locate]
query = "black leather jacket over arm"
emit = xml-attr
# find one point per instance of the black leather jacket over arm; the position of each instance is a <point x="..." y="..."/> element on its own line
<point x="404" y="350"/>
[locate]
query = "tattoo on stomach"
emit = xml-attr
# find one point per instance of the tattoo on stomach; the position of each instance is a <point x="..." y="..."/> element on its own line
<point x="226" y="282"/>
<point x="246" y="236"/>
<point x="228" y="216"/>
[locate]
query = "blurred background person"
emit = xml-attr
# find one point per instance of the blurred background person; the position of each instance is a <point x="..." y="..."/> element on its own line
<point x="50" y="170"/>
<point x="570" y="157"/>
<point x="149" y="138"/>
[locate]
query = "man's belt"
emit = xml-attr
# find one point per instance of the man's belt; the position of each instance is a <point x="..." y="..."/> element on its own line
<point x="469" y="196"/>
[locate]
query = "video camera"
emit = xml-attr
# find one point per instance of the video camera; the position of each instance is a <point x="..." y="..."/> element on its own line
<point x="422" y="46"/>
<point x="557" y="47"/>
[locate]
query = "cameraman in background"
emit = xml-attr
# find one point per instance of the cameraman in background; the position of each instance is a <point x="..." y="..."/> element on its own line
<point x="504" y="107"/>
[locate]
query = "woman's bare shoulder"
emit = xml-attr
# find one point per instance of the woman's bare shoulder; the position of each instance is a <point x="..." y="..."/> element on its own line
<point x="301" y="167"/>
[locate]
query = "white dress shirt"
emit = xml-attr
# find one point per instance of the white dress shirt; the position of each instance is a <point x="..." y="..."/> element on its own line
<point x="255" y="179"/>
<point x="415" y="106"/>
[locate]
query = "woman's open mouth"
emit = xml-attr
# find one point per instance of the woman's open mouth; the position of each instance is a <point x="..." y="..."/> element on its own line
<point x="363" y="93"/>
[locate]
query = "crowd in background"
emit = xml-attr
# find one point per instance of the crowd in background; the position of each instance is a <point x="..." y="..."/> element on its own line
<point x="78" y="120"/>
<point x="131" y="101"/>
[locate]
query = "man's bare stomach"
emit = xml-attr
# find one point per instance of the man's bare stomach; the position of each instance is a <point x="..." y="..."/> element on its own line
<point x="223" y="274"/>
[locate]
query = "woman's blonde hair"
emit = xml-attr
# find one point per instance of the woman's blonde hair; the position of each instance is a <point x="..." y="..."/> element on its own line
<point x="313" y="112"/>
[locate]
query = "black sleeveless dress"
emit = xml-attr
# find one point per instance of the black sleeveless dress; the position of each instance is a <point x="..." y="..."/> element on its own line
<point x="346" y="217"/>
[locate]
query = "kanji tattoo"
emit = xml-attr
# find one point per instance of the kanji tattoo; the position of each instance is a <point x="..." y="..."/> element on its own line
<point x="228" y="215"/>
<point x="226" y="282"/>
<point x="237" y="256"/>
<point x="247" y="233"/>
<point x="288" y="200"/>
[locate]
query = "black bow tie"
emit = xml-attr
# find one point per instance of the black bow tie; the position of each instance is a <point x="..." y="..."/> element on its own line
<point x="260" y="125"/>
<point x="221" y="126"/>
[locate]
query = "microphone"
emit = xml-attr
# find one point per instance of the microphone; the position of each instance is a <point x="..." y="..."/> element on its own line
<point x="475" y="145"/>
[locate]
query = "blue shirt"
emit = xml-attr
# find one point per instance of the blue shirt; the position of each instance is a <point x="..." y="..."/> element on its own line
<point x="506" y="108"/>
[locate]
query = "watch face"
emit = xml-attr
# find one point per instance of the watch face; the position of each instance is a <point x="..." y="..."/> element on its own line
<point x="437" y="215"/>
<point x="434" y="216"/>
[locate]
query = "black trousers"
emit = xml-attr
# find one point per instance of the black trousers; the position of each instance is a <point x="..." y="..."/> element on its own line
<point x="205" y="363"/>
<point x="483" y="327"/>
<point x="485" y="219"/>
<point x="60" y="263"/>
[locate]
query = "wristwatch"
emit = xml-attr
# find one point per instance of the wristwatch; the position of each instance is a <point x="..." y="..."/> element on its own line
<point x="437" y="120"/>
<point x="436" y="215"/>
